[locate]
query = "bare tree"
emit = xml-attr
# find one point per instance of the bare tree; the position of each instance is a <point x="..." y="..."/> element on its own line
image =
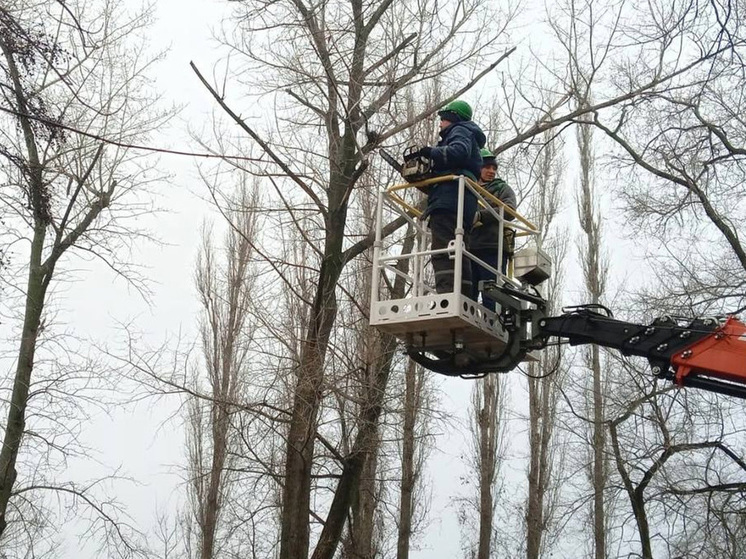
<point x="488" y="408"/>
<point x="225" y="291"/>
<point x="339" y="77"/>
<point x="408" y="474"/>
<point x="546" y="375"/>
<point x="416" y="417"/>
<point x="65" y="66"/>
<point x="357" y="360"/>
<point x="660" y="463"/>
<point x="686" y="168"/>
<point x="363" y="537"/>
<point x="594" y="276"/>
<point x="409" y="411"/>
<point x="680" y="156"/>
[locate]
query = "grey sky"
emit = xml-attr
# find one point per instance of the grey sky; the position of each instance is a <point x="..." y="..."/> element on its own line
<point x="149" y="450"/>
<point x="147" y="440"/>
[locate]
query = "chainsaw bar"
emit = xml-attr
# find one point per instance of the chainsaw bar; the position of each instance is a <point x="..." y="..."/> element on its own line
<point x="391" y="160"/>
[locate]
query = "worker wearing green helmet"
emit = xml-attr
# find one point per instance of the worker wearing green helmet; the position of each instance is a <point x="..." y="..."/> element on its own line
<point x="461" y="108"/>
<point x="485" y="237"/>
<point x="457" y="153"/>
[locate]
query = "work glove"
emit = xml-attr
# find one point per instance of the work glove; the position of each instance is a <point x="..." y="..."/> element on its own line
<point x="426" y="151"/>
<point x="422" y="152"/>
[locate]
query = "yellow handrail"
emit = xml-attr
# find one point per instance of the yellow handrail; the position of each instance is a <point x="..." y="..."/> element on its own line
<point x="476" y="186"/>
<point x="421" y="184"/>
<point x="411" y="209"/>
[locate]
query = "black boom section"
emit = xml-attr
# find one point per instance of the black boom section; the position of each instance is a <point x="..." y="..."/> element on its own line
<point x="657" y="341"/>
<point x="714" y="385"/>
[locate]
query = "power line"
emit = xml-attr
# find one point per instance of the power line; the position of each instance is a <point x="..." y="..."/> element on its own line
<point x="61" y="126"/>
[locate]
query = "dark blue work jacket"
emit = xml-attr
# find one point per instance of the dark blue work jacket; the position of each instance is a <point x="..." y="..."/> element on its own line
<point x="457" y="153"/>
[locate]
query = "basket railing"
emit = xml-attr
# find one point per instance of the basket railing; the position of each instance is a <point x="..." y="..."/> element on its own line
<point x="420" y="254"/>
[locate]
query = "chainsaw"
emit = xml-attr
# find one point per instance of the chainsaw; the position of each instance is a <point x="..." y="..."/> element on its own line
<point x="415" y="167"/>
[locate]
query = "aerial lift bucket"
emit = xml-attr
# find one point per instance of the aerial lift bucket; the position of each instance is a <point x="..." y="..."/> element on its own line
<point x="452" y="333"/>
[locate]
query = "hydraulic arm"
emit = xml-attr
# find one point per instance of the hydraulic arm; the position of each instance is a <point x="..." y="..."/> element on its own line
<point x="703" y="353"/>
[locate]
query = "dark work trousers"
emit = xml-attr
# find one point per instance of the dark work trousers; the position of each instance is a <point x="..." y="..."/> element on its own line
<point x="480" y="273"/>
<point x="443" y="228"/>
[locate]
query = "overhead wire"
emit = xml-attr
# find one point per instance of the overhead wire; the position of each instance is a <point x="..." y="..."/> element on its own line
<point x="206" y="155"/>
<point x="140" y="147"/>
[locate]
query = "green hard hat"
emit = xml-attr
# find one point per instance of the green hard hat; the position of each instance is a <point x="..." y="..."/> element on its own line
<point x="461" y="108"/>
<point x="487" y="156"/>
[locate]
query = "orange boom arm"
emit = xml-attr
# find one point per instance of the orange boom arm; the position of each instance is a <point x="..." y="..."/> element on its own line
<point x="720" y="356"/>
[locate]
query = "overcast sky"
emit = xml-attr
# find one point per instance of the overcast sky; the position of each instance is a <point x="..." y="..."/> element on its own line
<point x="149" y="450"/>
<point x="144" y="441"/>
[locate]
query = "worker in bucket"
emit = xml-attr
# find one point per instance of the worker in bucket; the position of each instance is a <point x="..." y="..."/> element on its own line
<point x="485" y="236"/>
<point x="457" y="153"/>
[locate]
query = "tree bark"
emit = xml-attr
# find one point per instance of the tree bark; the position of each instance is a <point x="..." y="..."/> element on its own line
<point x="225" y="292"/>
<point x="537" y="463"/>
<point x="296" y="494"/>
<point x="366" y="440"/>
<point x="36" y="287"/>
<point x="489" y="432"/>
<point x="594" y="275"/>
<point x="35" y="295"/>
<point x="545" y="376"/>
<point x="344" y="157"/>
<point x="635" y="494"/>
<point x="361" y="543"/>
<point x="408" y="475"/>
<point x="599" y="459"/>
<point x="209" y="522"/>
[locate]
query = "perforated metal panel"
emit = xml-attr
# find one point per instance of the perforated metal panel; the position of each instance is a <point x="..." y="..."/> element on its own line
<point x="436" y="321"/>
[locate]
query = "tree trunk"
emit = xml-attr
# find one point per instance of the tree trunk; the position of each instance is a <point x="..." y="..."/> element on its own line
<point x="35" y="294"/>
<point x="488" y="425"/>
<point x="296" y="494"/>
<point x="407" y="463"/>
<point x="365" y="444"/>
<point x="545" y="376"/>
<point x="211" y="506"/>
<point x="534" y="510"/>
<point x="38" y="280"/>
<point x="641" y="519"/>
<point x="635" y="494"/>
<point x="599" y="459"/>
<point x="343" y="158"/>
<point x="366" y="440"/>
<point x="594" y="275"/>
<point x="361" y="541"/>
